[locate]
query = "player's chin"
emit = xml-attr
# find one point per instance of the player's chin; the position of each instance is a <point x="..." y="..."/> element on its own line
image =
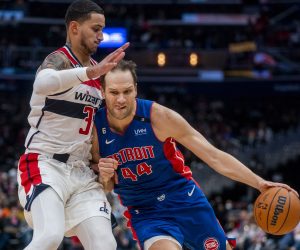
<point x="93" y="49"/>
<point x="120" y="115"/>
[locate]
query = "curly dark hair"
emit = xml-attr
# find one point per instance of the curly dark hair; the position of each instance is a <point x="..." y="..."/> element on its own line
<point x="81" y="10"/>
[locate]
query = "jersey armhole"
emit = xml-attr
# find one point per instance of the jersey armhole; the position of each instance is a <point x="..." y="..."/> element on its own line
<point x="150" y="117"/>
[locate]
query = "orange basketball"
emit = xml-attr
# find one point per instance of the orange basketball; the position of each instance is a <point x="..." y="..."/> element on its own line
<point x="277" y="211"/>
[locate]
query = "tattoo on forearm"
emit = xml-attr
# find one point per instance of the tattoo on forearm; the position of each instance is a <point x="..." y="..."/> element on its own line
<point x="55" y="61"/>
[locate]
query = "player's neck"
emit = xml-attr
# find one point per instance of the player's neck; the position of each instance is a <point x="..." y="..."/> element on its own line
<point x="81" y="55"/>
<point x="120" y="126"/>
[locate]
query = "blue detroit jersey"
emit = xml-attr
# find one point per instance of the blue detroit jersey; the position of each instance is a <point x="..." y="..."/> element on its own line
<point x="156" y="186"/>
<point x="148" y="168"/>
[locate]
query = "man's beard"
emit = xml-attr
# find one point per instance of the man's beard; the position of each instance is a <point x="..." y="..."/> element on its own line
<point x="87" y="49"/>
<point x="120" y="115"/>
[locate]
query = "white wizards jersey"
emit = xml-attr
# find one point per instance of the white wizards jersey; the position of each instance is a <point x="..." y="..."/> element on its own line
<point x="62" y="123"/>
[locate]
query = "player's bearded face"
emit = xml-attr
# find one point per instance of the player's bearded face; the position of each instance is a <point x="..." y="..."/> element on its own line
<point x="122" y="105"/>
<point x="91" y="33"/>
<point x="120" y="95"/>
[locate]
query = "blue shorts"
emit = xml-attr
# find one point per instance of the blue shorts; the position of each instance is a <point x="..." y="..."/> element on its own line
<point x="185" y="215"/>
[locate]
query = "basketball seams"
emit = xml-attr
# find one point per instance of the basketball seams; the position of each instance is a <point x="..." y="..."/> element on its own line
<point x="279" y="217"/>
<point x="270" y="208"/>
<point x="287" y="214"/>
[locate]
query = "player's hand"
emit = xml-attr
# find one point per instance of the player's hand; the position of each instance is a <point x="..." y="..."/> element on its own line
<point x="264" y="185"/>
<point x="94" y="167"/>
<point x="108" y="63"/>
<point x="107" y="167"/>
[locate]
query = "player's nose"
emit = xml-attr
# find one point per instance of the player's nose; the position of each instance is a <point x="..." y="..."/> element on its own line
<point x="100" y="36"/>
<point x="121" y="98"/>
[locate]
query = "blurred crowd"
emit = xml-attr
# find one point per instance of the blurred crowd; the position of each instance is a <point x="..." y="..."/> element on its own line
<point x="273" y="31"/>
<point x="148" y="28"/>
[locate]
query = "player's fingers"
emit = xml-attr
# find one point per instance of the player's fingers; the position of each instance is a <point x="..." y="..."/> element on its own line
<point x="119" y="50"/>
<point x="106" y="170"/>
<point x="116" y="164"/>
<point x="113" y="61"/>
<point x="291" y="189"/>
<point x="119" y="57"/>
<point x="116" y="178"/>
<point x="125" y="45"/>
<point x="107" y="160"/>
<point x="108" y="167"/>
<point x="95" y="167"/>
<point x="274" y="184"/>
<point x="115" y="53"/>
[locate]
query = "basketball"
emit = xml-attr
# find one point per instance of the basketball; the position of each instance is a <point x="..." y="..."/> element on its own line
<point x="277" y="211"/>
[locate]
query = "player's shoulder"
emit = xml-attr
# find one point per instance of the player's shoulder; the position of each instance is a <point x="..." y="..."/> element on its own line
<point x="162" y="116"/>
<point x="158" y="112"/>
<point x="56" y="60"/>
<point x="159" y="109"/>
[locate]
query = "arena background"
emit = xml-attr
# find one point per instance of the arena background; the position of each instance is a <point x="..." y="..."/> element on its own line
<point x="230" y="67"/>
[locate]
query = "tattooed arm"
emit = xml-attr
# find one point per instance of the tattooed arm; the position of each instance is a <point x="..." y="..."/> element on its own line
<point x="56" y="61"/>
<point x="56" y="75"/>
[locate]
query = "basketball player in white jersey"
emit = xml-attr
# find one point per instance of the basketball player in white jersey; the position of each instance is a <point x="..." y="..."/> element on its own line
<point x="57" y="189"/>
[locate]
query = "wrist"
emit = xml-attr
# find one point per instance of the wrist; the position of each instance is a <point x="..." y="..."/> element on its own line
<point x="90" y="72"/>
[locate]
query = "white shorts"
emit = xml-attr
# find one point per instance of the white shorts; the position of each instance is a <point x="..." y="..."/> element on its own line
<point x="148" y="243"/>
<point x="75" y="183"/>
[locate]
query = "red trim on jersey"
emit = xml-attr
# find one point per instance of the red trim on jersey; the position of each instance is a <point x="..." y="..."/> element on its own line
<point x="127" y="216"/>
<point x="30" y="172"/>
<point x="232" y="242"/>
<point x="176" y="158"/>
<point x="93" y="83"/>
<point x="93" y="61"/>
<point x="66" y="52"/>
<point x="196" y="183"/>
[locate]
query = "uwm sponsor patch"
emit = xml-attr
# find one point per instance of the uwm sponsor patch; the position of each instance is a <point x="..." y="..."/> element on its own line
<point x="211" y="244"/>
<point x="142" y="131"/>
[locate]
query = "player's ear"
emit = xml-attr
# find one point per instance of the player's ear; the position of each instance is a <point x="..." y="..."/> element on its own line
<point x="135" y="88"/>
<point x="74" y="27"/>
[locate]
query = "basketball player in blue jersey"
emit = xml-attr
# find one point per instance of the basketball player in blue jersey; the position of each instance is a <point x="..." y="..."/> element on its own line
<point x="137" y="140"/>
<point x="59" y="192"/>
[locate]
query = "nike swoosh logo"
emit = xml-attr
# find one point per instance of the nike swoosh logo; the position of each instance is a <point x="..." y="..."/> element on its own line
<point x="109" y="142"/>
<point x="191" y="193"/>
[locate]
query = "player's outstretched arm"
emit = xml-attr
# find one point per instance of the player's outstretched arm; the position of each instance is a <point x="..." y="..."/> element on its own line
<point x="167" y="123"/>
<point x="55" y="75"/>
